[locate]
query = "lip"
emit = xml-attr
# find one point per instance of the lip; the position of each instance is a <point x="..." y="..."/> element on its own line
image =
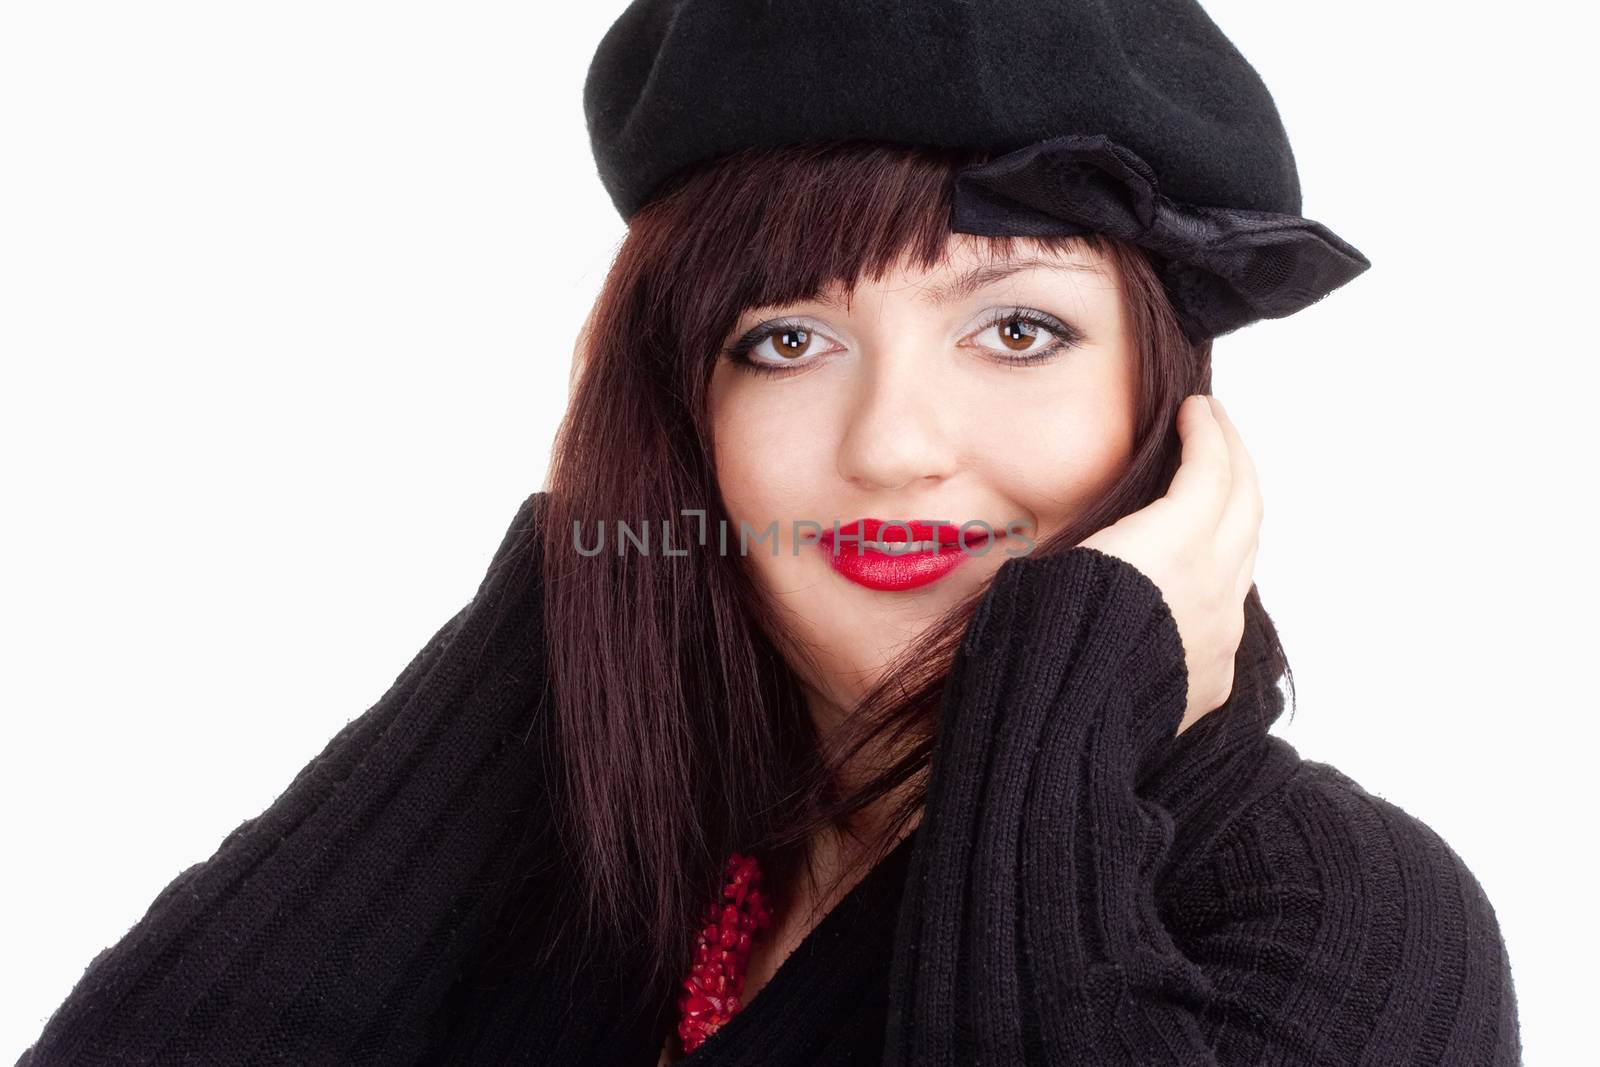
<point x="899" y="571"/>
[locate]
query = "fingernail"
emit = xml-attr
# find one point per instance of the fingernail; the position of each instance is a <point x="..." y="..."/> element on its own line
<point x="1216" y="406"/>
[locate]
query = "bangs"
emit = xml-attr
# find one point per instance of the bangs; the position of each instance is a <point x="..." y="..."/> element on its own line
<point x="779" y="225"/>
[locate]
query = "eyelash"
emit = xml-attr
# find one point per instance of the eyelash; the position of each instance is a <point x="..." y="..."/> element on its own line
<point x="1067" y="337"/>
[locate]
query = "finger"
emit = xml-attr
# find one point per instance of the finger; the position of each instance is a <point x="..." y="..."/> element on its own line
<point x="1247" y="575"/>
<point x="1240" y="522"/>
<point x="1202" y="481"/>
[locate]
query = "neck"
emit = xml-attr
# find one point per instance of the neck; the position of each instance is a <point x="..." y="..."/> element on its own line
<point x="828" y="717"/>
<point x="871" y="823"/>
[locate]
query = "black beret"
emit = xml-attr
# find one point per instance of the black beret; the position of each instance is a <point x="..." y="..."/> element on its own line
<point x="1135" y="118"/>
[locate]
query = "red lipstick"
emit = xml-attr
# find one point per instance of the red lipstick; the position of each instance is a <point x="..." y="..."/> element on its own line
<point x="923" y="553"/>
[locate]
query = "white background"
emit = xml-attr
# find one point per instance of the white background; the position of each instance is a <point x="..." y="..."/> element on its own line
<point x="287" y="298"/>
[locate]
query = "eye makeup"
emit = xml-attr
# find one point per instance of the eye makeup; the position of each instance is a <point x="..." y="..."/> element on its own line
<point x="1067" y="336"/>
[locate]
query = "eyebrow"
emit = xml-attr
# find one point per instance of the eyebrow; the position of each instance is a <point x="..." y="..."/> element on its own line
<point x="989" y="273"/>
<point x="981" y="276"/>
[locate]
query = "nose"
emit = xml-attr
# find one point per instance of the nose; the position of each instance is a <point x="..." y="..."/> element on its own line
<point x="901" y="427"/>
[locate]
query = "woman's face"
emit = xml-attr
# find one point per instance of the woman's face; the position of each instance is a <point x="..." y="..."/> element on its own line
<point x="982" y="391"/>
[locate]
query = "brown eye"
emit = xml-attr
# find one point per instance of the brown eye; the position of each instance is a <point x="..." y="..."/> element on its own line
<point x="1023" y="334"/>
<point x="1017" y="335"/>
<point x="777" y="348"/>
<point x="791" y="342"/>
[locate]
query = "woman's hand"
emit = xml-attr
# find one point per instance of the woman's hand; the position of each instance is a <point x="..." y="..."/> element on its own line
<point x="1198" y="545"/>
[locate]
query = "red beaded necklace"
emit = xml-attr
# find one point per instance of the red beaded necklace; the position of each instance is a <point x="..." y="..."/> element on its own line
<point x="711" y="993"/>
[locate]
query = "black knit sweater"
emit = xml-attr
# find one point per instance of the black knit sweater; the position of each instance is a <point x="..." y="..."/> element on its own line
<point x="1083" y="888"/>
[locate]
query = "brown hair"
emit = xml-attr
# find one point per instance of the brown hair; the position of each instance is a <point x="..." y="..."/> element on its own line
<point x="682" y="732"/>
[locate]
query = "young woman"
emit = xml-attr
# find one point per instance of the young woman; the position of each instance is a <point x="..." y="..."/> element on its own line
<point x="715" y="768"/>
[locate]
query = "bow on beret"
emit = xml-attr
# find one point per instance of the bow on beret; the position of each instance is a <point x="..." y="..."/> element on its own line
<point x="1221" y="267"/>
<point x="1078" y="106"/>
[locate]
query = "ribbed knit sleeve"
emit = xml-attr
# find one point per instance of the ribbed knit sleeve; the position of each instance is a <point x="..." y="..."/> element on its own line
<point x="1328" y="928"/>
<point x="328" y="928"/>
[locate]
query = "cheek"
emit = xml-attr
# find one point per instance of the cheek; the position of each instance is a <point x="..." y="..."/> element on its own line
<point x="761" y="474"/>
<point x="764" y="475"/>
<point x="1063" y="447"/>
